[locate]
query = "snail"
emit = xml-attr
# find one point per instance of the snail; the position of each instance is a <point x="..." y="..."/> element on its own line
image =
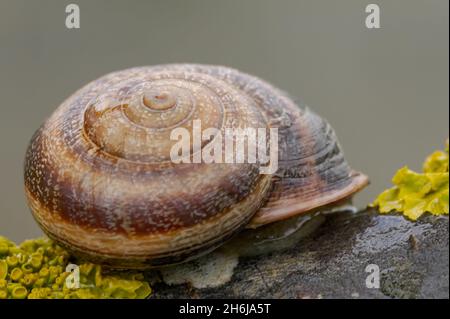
<point x="100" y="181"/>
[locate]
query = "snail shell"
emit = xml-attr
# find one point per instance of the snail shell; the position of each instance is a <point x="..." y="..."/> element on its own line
<point x="99" y="179"/>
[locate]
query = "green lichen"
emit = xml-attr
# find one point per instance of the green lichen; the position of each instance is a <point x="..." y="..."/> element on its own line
<point x="37" y="269"/>
<point x="417" y="193"/>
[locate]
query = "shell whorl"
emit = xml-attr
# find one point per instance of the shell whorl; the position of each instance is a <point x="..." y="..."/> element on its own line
<point x="133" y="118"/>
<point x="99" y="178"/>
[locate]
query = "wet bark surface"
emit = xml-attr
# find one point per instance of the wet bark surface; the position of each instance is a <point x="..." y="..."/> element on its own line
<point x="412" y="257"/>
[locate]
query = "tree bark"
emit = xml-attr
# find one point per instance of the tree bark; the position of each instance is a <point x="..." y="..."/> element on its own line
<point x="336" y="260"/>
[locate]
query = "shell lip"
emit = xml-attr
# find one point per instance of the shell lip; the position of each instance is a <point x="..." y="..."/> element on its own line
<point x="292" y="207"/>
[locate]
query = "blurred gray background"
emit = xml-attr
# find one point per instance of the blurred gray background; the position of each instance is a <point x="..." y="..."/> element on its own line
<point x="385" y="91"/>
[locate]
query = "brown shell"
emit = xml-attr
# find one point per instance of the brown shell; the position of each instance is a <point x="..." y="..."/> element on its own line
<point x="99" y="179"/>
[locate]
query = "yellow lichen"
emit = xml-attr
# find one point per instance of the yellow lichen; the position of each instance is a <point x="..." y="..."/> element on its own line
<point x="417" y="193"/>
<point x="37" y="269"/>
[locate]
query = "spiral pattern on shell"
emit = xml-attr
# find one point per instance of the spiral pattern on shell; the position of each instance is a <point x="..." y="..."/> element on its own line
<point x="99" y="177"/>
<point x="133" y="118"/>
